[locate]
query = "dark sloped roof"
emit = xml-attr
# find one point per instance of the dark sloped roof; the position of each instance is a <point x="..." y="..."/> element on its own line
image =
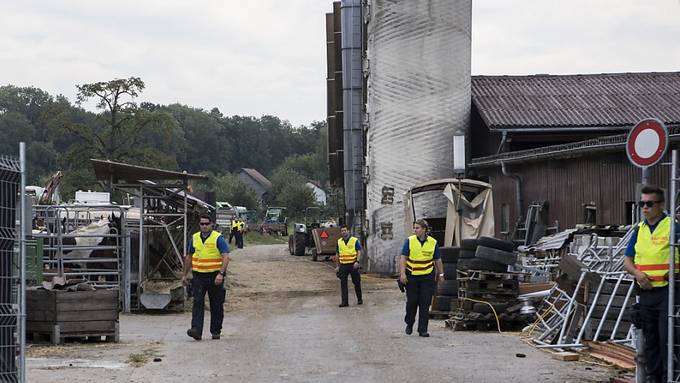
<point x="258" y="177"/>
<point x="615" y="100"/>
<point x="106" y="170"/>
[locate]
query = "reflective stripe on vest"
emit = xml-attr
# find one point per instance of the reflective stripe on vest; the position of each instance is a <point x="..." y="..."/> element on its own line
<point x="347" y="253"/>
<point x="207" y="257"/>
<point x="420" y="257"/>
<point x="652" y="250"/>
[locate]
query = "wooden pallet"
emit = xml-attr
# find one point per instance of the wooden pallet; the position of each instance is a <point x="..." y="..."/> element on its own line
<point x="458" y="324"/>
<point x="463" y="320"/>
<point x="491" y="275"/>
<point x="61" y="315"/>
<point x="502" y="286"/>
<point x="56" y="336"/>
<point x="490" y="296"/>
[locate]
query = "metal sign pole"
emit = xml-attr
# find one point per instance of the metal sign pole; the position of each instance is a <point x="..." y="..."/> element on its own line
<point x="22" y="266"/>
<point x="671" y="270"/>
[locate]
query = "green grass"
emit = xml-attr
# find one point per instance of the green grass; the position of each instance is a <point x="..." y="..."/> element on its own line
<point x="255" y="238"/>
<point x="138" y="360"/>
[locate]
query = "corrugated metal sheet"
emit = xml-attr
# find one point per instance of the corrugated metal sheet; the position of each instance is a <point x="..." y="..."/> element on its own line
<point x="590" y="100"/>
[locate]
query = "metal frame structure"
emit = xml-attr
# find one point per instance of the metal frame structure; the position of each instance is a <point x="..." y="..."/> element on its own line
<point x="62" y="222"/>
<point x="164" y="204"/>
<point x="562" y="324"/>
<point x="562" y="314"/>
<point x="12" y="268"/>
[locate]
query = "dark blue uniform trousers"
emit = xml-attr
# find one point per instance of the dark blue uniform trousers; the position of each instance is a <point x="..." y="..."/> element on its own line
<point x="343" y="272"/>
<point x="205" y="283"/>
<point x="419" y="290"/>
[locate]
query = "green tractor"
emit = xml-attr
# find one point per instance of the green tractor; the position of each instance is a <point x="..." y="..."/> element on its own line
<point x="275" y="221"/>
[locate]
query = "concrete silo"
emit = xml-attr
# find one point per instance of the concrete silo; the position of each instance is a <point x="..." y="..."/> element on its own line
<point x="417" y="74"/>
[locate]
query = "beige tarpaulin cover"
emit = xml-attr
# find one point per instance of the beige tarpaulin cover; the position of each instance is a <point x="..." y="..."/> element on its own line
<point x="477" y="215"/>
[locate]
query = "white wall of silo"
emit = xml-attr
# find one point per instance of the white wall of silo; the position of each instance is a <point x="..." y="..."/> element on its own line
<point x="418" y="67"/>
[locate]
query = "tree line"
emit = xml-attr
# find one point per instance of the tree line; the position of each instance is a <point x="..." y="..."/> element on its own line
<point x="63" y="135"/>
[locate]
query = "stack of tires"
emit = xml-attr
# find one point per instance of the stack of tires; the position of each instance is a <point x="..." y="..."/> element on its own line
<point x="446" y="294"/>
<point x="486" y="254"/>
<point x="488" y="291"/>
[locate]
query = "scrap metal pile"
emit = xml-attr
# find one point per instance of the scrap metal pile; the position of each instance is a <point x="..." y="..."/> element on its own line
<point x="591" y="301"/>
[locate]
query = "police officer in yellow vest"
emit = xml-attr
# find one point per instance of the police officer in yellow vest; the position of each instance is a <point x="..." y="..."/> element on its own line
<point x="207" y="258"/>
<point x="647" y="260"/>
<point x="234" y="230"/>
<point x="240" y="231"/>
<point x="347" y="256"/>
<point x="419" y="259"/>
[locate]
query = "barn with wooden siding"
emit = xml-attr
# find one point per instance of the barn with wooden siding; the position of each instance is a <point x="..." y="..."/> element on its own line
<point x="560" y="140"/>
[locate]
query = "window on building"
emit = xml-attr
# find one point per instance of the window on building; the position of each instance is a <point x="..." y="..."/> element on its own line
<point x="590" y="213"/>
<point x="505" y="219"/>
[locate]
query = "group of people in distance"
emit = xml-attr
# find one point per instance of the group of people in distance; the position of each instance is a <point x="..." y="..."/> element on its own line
<point x="208" y="258"/>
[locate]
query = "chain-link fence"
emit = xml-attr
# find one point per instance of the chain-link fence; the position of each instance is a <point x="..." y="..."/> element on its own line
<point x="10" y="346"/>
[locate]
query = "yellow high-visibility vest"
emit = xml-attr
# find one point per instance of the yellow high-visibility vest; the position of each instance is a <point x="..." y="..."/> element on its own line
<point x="241" y="226"/>
<point x="234" y="224"/>
<point x="652" y="251"/>
<point x="347" y="253"/>
<point x="420" y="257"/>
<point x="207" y="257"/>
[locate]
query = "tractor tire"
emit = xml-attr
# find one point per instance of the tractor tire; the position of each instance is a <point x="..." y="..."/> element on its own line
<point x="448" y="288"/>
<point x="481" y="264"/>
<point x="468" y="244"/>
<point x="495" y="243"/>
<point x="450" y="273"/>
<point x="291" y="245"/>
<point x="495" y="255"/>
<point x="466" y="254"/>
<point x="300" y="240"/>
<point x="449" y="254"/>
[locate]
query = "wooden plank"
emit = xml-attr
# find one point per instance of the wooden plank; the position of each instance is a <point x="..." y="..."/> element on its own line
<point x="87" y="306"/>
<point x="92" y="315"/>
<point x="532" y="287"/>
<point x="43" y="299"/>
<point x="621" y="363"/>
<point x="565" y="356"/>
<point x="72" y="316"/>
<point x="69" y="296"/>
<point x="619" y="355"/>
<point x="33" y="314"/>
<point x="73" y="327"/>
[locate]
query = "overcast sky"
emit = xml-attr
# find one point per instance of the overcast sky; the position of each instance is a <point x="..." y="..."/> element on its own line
<point x="268" y="56"/>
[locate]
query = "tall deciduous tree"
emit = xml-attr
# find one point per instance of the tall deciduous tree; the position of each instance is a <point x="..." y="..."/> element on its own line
<point x="122" y="131"/>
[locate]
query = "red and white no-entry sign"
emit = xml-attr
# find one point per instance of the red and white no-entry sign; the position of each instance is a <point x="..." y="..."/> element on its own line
<point x="647" y="142"/>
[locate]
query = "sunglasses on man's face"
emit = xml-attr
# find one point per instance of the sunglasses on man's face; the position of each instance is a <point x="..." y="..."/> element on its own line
<point x="204" y="223"/>
<point x="647" y="203"/>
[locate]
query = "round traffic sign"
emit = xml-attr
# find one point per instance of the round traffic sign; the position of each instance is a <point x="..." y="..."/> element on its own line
<point x="647" y="142"/>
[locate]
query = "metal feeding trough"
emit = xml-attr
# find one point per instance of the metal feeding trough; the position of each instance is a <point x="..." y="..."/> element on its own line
<point x="161" y="295"/>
